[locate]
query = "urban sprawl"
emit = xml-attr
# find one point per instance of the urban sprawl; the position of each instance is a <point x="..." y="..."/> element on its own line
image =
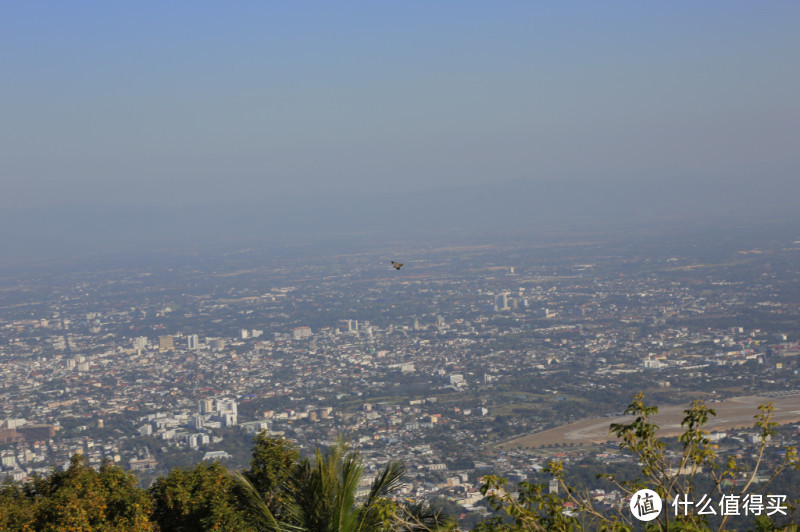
<point x="443" y="364"/>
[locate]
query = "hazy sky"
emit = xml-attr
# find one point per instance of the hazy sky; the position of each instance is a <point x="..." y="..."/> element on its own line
<point x="167" y="102"/>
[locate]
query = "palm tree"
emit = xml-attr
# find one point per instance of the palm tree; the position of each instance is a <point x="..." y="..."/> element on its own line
<point x="322" y="498"/>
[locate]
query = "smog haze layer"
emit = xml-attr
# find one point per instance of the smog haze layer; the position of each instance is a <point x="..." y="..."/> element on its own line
<point x="132" y="127"/>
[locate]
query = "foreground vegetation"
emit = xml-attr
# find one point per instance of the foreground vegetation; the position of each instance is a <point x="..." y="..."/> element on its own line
<point x="279" y="492"/>
<point x="673" y="473"/>
<point x="284" y="492"/>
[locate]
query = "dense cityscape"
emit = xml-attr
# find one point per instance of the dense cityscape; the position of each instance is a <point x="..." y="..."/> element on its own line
<point x="178" y="358"/>
<point x="399" y="266"/>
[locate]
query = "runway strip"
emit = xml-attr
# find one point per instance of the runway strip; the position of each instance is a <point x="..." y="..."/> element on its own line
<point x="734" y="413"/>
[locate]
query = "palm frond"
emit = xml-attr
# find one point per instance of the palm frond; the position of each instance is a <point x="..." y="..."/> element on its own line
<point x="387" y="481"/>
<point x="422" y="517"/>
<point x="351" y="470"/>
<point x="264" y="519"/>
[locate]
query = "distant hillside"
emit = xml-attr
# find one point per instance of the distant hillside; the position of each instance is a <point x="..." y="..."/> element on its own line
<point x="77" y="228"/>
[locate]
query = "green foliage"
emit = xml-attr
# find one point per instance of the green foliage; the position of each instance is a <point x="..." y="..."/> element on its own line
<point x="79" y="498"/>
<point x="17" y="509"/>
<point x="325" y="490"/>
<point x="670" y="475"/>
<point x="530" y="509"/>
<point x="203" y="497"/>
<point x="320" y="496"/>
<point x="280" y="492"/>
<point x="274" y="461"/>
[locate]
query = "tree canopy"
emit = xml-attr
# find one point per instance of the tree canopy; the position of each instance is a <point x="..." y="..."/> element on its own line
<point x="280" y="492"/>
<point x="79" y="498"/>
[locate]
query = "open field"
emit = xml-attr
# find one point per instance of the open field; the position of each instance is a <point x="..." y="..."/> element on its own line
<point x="736" y="412"/>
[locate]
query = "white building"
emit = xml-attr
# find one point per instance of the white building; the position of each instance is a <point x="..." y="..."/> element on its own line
<point x="227" y="411"/>
<point x="140" y="342"/>
<point x="216" y="455"/>
<point x="301" y="332"/>
<point x="198" y="439"/>
<point x="501" y="302"/>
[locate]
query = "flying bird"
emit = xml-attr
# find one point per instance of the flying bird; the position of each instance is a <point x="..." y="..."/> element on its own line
<point x="397" y="265"/>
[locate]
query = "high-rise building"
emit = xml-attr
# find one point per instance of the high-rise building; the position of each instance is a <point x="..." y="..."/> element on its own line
<point x="140" y="342"/>
<point x="301" y="332"/>
<point x="228" y="419"/>
<point x="226" y="408"/>
<point x="192" y="341"/>
<point x="166" y="343"/>
<point x="226" y="405"/>
<point x="501" y="302"/>
<point x="217" y="344"/>
<point x="196" y="440"/>
<point x="206" y="406"/>
<point x="348" y="325"/>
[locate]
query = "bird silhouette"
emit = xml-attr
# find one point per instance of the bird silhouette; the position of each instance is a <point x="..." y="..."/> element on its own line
<point x="397" y="265"/>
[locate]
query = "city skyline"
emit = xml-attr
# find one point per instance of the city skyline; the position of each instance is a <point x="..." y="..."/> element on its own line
<point x="480" y="356"/>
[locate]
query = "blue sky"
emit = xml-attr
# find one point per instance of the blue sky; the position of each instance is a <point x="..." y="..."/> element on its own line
<point x="191" y="102"/>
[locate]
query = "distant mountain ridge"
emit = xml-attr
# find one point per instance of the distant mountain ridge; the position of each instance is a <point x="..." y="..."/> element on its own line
<point x="74" y="228"/>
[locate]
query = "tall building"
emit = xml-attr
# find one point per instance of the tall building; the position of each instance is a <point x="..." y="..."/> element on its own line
<point x="206" y="406"/>
<point x="501" y="302"/>
<point x="166" y="343"/>
<point x="226" y="408"/>
<point x="140" y="342"/>
<point x="226" y="405"/>
<point x="301" y="332"/>
<point x="195" y="440"/>
<point x="348" y="325"/>
<point x="217" y="344"/>
<point x="192" y="341"/>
